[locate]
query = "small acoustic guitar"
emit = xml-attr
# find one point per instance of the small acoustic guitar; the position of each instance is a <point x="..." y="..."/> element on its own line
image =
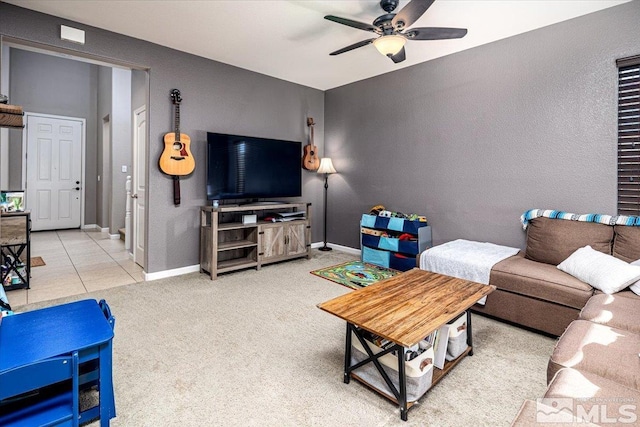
<point x="310" y="160"/>
<point x="176" y="159"/>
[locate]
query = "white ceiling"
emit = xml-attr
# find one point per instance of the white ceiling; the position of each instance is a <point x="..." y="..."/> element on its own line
<point x="290" y="40"/>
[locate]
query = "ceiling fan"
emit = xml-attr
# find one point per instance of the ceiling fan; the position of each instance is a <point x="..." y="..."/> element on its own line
<point x="392" y="30"/>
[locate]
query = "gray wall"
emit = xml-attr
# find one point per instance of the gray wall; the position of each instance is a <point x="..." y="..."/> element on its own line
<point x="121" y="148"/>
<point x="58" y="86"/>
<point x="104" y="147"/>
<point x="216" y="97"/>
<point x="474" y="139"/>
<point x="139" y="87"/>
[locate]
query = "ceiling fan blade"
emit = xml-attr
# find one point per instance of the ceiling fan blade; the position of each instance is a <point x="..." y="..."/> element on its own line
<point x="351" y="47"/>
<point x="435" y="33"/>
<point x="352" y="24"/>
<point x="399" y="57"/>
<point x="410" y="13"/>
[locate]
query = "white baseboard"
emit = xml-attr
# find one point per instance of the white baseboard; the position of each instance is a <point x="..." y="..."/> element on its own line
<point x="95" y="227"/>
<point x="171" y="273"/>
<point x="347" y="249"/>
<point x="114" y="236"/>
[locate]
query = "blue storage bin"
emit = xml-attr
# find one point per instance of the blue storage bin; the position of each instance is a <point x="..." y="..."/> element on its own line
<point x="400" y="263"/>
<point x="393" y="244"/>
<point x="408" y="247"/>
<point x="370" y="240"/>
<point x="413" y="226"/>
<point x="382" y="222"/>
<point x="374" y="256"/>
<point x="388" y="243"/>
<point x="396" y="224"/>
<point x="368" y="221"/>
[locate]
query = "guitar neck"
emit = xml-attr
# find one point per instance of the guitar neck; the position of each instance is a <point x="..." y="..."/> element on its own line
<point x="310" y="123"/>
<point x="177" y="120"/>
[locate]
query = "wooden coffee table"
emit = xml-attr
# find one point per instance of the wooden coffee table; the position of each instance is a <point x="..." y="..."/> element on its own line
<point x="404" y="309"/>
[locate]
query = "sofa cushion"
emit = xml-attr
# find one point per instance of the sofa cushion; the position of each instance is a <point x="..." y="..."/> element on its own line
<point x="587" y="390"/>
<point x="602" y="271"/>
<point x="626" y="243"/>
<point x="609" y="352"/>
<point x="537" y="414"/>
<point x="552" y="240"/>
<point x="545" y="316"/>
<point x="621" y="310"/>
<point x="543" y="281"/>
<point x="635" y="287"/>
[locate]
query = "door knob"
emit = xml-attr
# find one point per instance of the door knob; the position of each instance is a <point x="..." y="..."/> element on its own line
<point x="134" y="196"/>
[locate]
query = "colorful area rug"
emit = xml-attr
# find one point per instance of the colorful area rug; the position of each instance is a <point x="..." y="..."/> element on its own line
<point x="355" y="274"/>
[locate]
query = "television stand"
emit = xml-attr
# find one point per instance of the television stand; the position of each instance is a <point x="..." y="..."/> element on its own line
<point x="228" y="244"/>
<point x="256" y="203"/>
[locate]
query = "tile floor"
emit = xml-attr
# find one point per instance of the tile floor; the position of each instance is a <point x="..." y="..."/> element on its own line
<point x="77" y="261"/>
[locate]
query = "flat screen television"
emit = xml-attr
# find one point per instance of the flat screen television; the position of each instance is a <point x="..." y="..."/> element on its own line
<point x="244" y="167"/>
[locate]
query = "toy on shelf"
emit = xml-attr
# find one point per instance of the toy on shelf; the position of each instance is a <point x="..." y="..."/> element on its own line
<point x="380" y="210"/>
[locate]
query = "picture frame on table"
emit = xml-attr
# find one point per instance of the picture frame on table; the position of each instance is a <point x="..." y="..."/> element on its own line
<point x="12" y="201"/>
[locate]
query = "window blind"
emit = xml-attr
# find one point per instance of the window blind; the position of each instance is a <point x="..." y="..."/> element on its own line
<point x="629" y="136"/>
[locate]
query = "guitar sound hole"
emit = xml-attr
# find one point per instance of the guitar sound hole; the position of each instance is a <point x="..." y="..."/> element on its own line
<point x="177" y="146"/>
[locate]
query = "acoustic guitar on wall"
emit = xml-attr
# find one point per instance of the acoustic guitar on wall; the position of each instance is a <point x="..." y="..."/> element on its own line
<point x="310" y="160"/>
<point x="176" y="158"/>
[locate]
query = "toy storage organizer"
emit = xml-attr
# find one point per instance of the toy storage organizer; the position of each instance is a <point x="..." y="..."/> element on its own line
<point x="381" y="243"/>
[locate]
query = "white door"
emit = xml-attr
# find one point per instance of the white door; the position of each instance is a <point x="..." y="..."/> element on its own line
<point x="139" y="183"/>
<point x="54" y="171"/>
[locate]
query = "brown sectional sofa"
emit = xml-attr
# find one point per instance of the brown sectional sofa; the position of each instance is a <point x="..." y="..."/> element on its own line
<point x="531" y="291"/>
<point x="596" y="362"/>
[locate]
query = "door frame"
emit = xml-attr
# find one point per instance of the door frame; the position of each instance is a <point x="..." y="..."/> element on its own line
<point x="106" y="176"/>
<point x="83" y="138"/>
<point x="134" y="166"/>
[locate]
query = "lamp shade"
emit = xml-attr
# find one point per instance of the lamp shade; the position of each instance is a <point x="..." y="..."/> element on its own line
<point x="389" y="45"/>
<point x="326" y="166"/>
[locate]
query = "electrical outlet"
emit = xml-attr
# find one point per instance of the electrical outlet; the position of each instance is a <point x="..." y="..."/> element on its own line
<point x="124" y="168"/>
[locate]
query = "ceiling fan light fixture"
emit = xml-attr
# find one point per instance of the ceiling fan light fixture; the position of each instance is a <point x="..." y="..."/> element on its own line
<point x="389" y="45"/>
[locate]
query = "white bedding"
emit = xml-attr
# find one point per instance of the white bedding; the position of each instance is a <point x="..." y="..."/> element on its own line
<point x="465" y="259"/>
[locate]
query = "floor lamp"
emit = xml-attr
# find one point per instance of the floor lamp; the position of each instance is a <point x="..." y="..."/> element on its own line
<point x="326" y="167"/>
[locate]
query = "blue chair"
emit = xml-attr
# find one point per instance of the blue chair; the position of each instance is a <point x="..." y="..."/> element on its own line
<point x="43" y="393"/>
<point x="106" y="310"/>
<point x="89" y="370"/>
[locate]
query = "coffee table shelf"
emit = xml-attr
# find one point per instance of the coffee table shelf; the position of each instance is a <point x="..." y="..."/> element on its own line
<point x="438" y="374"/>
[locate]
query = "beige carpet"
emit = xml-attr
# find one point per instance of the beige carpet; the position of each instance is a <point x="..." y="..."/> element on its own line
<point x="252" y="349"/>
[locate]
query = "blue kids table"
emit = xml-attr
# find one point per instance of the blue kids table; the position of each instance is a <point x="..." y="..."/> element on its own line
<point x="60" y="330"/>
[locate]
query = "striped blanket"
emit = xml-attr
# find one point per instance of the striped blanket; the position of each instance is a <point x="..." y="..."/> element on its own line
<point x="599" y="218"/>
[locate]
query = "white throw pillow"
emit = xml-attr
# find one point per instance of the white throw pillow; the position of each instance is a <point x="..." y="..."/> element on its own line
<point x="636" y="286"/>
<point x="602" y="271"/>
